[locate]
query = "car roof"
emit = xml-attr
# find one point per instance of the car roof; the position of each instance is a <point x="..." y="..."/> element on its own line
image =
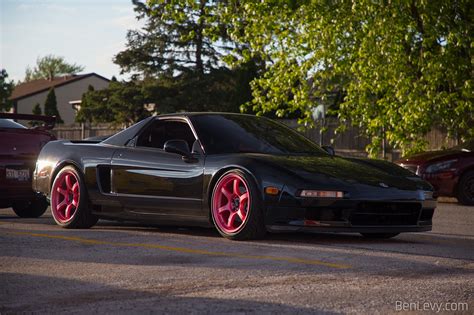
<point x="122" y="137"/>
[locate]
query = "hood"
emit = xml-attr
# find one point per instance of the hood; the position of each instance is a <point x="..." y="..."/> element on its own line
<point x="336" y="170"/>
<point x="430" y="156"/>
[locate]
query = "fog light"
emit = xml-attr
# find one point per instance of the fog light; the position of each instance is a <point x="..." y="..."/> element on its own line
<point x="322" y="194"/>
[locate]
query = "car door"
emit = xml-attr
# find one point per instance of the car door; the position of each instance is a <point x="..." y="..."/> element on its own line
<point x="147" y="179"/>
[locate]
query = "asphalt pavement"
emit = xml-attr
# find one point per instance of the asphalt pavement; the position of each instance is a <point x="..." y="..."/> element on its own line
<point x="132" y="268"/>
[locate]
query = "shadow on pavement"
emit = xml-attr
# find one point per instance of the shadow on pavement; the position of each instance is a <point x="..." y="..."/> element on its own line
<point x="22" y="293"/>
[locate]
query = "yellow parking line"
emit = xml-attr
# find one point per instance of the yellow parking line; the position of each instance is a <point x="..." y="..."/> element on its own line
<point x="188" y="250"/>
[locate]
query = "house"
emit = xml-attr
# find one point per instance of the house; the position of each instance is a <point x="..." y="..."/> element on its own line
<point x="68" y="90"/>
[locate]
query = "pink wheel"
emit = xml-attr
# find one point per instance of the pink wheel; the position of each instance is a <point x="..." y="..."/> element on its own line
<point x="69" y="204"/>
<point x="235" y="207"/>
<point x="65" y="196"/>
<point x="231" y="203"/>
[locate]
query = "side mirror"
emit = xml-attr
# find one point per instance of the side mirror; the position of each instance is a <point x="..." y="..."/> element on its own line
<point x="177" y="146"/>
<point x="330" y="150"/>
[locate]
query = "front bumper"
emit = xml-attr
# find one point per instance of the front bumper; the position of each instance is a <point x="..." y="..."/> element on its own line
<point x="362" y="216"/>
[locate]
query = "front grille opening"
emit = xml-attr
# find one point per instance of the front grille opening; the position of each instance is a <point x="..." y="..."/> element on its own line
<point x="386" y="214"/>
<point x="327" y="214"/>
<point x="426" y="214"/>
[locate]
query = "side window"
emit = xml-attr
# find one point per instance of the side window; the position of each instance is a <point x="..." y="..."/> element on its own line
<point x="161" y="131"/>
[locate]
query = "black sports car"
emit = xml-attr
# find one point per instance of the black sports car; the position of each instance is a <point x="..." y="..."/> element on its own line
<point x="244" y="174"/>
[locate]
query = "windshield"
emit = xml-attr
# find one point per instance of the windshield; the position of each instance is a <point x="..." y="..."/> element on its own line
<point x="230" y="133"/>
<point x="7" y="123"/>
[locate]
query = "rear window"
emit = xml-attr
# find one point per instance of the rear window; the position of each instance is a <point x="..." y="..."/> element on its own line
<point x="7" y="123"/>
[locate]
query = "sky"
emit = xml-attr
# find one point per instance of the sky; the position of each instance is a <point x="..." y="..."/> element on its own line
<point x="85" y="32"/>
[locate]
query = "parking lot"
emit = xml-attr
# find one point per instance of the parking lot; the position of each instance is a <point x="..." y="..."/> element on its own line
<point x="124" y="267"/>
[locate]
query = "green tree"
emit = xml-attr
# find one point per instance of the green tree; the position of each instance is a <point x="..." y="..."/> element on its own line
<point x="401" y="67"/>
<point x="122" y="103"/>
<point x="125" y="102"/>
<point x="178" y="36"/>
<point x="49" y="67"/>
<point x="6" y="89"/>
<point x="51" y="107"/>
<point x="36" y="111"/>
<point x="177" y="63"/>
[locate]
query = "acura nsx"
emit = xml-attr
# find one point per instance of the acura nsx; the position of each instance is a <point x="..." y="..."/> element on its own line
<point x="244" y="175"/>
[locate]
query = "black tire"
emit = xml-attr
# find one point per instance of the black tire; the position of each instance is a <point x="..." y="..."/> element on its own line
<point x="253" y="227"/>
<point x="380" y="236"/>
<point x="31" y="208"/>
<point x="82" y="218"/>
<point x="465" y="189"/>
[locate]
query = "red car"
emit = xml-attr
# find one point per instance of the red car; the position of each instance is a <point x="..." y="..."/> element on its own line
<point x="19" y="149"/>
<point x="451" y="171"/>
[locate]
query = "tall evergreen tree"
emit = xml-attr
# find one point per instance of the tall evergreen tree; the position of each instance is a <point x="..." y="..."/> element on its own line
<point x="180" y="55"/>
<point x="51" y="106"/>
<point x="6" y="89"/>
<point x="178" y="36"/>
<point x="36" y="111"/>
<point x="177" y="64"/>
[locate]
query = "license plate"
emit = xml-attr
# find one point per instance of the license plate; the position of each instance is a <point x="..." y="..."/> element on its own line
<point x="20" y="175"/>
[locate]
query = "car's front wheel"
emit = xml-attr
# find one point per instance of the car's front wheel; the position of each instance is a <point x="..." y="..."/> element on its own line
<point x="31" y="208"/>
<point x="69" y="200"/>
<point x="465" y="193"/>
<point x="236" y="207"/>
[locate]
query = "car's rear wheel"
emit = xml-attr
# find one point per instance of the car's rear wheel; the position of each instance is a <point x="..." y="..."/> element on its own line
<point x="31" y="208"/>
<point x="465" y="193"/>
<point x="379" y="235"/>
<point x="69" y="200"/>
<point x="236" y="207"/>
